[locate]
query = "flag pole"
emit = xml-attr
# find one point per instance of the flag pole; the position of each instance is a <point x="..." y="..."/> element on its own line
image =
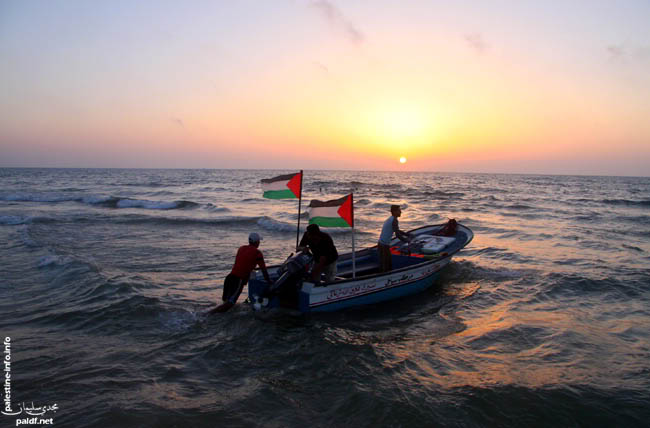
<point x="354" y="265"/>
<point x="299" y="208"/>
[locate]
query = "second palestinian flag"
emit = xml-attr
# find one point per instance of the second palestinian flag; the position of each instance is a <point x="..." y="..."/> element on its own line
<point x="334" y="213"/>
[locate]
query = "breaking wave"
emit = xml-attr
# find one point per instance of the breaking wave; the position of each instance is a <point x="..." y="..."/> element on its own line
<point x="627" y="202"/>
<point x="275" y="225"/>
<point x="12" y="220"/>
<point x="101" y="200"/>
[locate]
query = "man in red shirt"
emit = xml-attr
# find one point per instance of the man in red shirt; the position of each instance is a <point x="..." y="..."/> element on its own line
<point x="248" y="256"/>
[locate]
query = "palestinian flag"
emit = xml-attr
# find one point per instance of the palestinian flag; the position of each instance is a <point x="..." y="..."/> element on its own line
<point x="283" y="186"/>
<point x="335" y="213"/>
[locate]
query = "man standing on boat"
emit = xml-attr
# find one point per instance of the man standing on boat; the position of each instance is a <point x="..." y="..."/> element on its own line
<point x="248" y="256"/>
<point x="324" y="251"/>
<point x="391" y="225"/>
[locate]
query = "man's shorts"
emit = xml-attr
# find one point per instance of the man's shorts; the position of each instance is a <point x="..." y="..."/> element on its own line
<point x="232" y="288"/>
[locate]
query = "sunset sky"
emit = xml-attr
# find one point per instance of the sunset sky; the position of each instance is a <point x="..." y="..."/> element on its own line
<point x="559" y="87"/>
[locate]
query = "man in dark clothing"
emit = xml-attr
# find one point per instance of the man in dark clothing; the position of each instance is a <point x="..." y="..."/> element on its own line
<point x="248" y="256"/>
<point x="324" y="251"/>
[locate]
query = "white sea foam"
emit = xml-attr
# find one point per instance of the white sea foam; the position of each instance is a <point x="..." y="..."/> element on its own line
<point x="215" y="209"/>
<point x="53" y="259"/>
<point x="179" y="320"/>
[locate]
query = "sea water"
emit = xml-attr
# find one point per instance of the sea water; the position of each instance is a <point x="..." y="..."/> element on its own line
<point x="106" y="274"/>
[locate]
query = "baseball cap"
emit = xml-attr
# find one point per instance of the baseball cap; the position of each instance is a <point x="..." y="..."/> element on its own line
<point x="254" y="237"/>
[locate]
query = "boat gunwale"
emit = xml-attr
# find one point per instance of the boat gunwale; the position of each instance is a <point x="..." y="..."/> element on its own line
<point x="470" y="236"/>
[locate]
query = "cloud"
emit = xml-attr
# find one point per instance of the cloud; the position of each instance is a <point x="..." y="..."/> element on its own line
<point x="337" y="20"/>
<point x="643" y="53"/>
<point x="638" y="55"/>
<point x="178" y="122"/>
<point x="616" y="53"/>
<point x="321" y="67"/>
<point x="476" y="43"/>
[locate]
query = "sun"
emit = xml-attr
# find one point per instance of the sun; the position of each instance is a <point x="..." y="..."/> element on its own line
<point x="402" y="160"/>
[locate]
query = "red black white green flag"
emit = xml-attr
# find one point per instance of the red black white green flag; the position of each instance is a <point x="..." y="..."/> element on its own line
<point x="283" y="186"/>
<point x="334" y="213"/>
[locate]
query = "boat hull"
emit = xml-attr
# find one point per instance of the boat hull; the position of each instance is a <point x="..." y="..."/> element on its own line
<point x="369" y="291"/>
<point x="412" y="273"/>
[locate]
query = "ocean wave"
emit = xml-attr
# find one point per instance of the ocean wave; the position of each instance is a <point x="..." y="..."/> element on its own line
<point x="176" y="221"/>
<point x="26" y="238"/>
<point x="441" y="194"/>
<point x="489" y="191"/>
<point x="392" y="186"/>
<point x="644" y="220"/>
<point x="37" y="197"/>
<point x="113" y="202"/>
<point x="109" y="314"/>
<point x="581" y="200"/>
<point x="152" y="184"/>
<point x="325" y="184"/>
<point x="102" y="200"/>
<point x="627" y="202"/>
<point x="465" y="271"/>
<point x="580" y="285"/>
<point x="275" y="225"/>
<point x="71" y="266"/>
<point x="586" y="217"/>
<point x="134" y="218"/>
<point x="216" y="209"/>
<point x="632" y="247"/>
<point x="386" y="205"/>
<point x="527" y="216"/>
<point x="518" y="207"/>
<point x="54" y="260"/>
<point x="154" y="205"/>
<point x="179" y="320"/>
<point x="13" y="220"/>
<point x="504" y="254"/>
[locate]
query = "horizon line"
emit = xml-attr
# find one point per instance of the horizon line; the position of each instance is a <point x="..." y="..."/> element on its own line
<point x="333" y="170"/>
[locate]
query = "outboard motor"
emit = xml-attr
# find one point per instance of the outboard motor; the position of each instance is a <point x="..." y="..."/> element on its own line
<point x="292" y="272"/>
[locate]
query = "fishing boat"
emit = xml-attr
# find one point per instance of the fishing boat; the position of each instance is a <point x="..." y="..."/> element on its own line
<point x="359" y="281"/>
